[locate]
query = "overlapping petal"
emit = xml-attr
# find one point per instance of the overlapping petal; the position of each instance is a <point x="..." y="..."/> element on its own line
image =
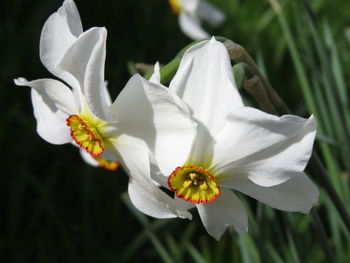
<point x="60" y="31"/>
<point x="153" y="113"/>
<point x="226" y="210"/>
<point x="205" y="83"/>
<point x="84" y="60"/>
<point x="52" y="103"/>
<point x="264" y="148"/>
<point x="144" y="194"/>
<point x="298" y="194"/>
<point x="155" y="78"/>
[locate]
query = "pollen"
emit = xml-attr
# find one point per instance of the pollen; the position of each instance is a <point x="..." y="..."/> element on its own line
<point x="175" y="5"/>
<point x="194" y="184"/>
<point x="86" y="135"/>
<point x="107" y="164"/>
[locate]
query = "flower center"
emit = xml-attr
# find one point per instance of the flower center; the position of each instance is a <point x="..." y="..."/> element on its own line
<point x="175" y="5"/>
<point x="86" y="134"/>
<point x="107" y="164"/>
<point x="194" y="184"/>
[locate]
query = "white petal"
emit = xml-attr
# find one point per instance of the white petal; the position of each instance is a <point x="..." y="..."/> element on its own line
<point x="205" y="82"/>
<point x="88" y="158"/>
<point x="145" y="196"/>
<point x="224" y="211"/>
<point x="155" y="78"/>
<point x="151" y="112"/>
<point x="85" y="61"/>
<point x="152" y="201"/>
<point x="265" y="148"/>
<point x="298" y="194"/>
<point x="52" y="103"/>
<point x="190" y="25"/>
<point x="202" y="149"/>
<point x="189" y="6"/>
<point x="57" y="95"/>
<point x="94" y="83"/>
<point x="60" y="31"/>
<point x="209" y="13"/>
<point x="106" y="93"/>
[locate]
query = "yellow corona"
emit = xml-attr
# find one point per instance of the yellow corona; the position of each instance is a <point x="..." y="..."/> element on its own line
<point x="86" y="132"/>
<point x="194" y="184"/>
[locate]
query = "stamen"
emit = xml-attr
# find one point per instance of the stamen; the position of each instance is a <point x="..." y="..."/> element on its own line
<point x="85" y="135"/>
<point x="203" y="185"/>
<point x="187" y="183"/>
<point x="193" y="176"/>
<point x="194" y="184"/>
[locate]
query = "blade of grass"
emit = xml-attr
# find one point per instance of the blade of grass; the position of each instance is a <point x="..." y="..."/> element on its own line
<point x="196" y="256"/>
<point x="312" y="106"/>
<point x="319" y="229"/>
<point x="163" y="253"/>
<point x="141" y="239"/>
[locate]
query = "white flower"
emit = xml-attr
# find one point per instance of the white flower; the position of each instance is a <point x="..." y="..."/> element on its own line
<point x="190" y="13"/>
<point x="84" y="114"/>
<point x="236" y="147"/>
<point x="77" y="58"/>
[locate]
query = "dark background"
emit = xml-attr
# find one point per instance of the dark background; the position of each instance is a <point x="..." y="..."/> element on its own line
<point x="54" y="207"/>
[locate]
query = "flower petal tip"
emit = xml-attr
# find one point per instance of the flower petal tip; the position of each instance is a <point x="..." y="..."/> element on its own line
<point x="20" y="81"/>
<point x="184" y="215"/>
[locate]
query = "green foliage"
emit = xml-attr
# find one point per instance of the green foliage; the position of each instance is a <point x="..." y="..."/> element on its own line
<point x="56" y="209"/>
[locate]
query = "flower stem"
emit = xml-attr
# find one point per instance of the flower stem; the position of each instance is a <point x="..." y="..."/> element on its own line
<point x="240" y="55"/>
<point x="323" y="178"/>
<point x="319" y="229"/>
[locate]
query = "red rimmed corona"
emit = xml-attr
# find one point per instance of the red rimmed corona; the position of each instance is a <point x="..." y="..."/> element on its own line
<point x="86" y="134"/>
<point x="194" y="184"/>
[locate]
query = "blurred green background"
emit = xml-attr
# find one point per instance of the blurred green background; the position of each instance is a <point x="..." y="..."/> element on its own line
<point x="55" y="208"/>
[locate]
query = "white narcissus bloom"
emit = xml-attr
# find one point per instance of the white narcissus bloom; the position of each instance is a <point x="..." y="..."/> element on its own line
<point x="77" y="58"/>
<point x="190" y="13"/>
<point x="235" y="147"/>
<point x="84" y="114"/>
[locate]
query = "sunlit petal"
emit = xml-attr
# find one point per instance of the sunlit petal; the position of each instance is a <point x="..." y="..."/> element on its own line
<point x="60" y="31"/>
<point x="264" y="148"/>
<point x="205" y="82"/>
<point x="150" y="111"/>
<point x="145" y="195"/>
<point x="52" y="103"/>
<point x="225" y="211"/>
<point x="298" y="194"/>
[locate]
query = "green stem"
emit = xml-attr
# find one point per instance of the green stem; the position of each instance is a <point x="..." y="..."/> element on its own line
<point x="319" y="229"/>
<point x="240" y="55"/>
<point x="168" y="71"/>
<point x="323" y="178"/>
